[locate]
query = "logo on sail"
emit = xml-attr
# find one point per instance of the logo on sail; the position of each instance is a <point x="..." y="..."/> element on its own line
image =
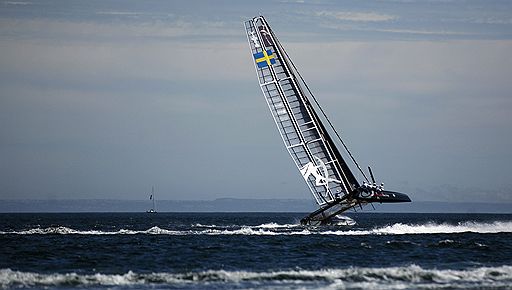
<point x="254" y="39"/>
<point x="319" y="172"/>
<point x="264" y="58"/>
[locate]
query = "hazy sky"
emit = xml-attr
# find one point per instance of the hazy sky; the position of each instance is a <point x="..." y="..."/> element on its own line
<point x="103" y="99"/>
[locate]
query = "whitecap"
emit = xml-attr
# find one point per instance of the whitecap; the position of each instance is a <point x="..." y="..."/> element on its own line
<point x="291" y="229"/>
<point x="241" y="231"/>
<point x="158" y="231"/>
<point x="445" y="228"/>
<point x="277" y="226"/>
<point x="411" y="276"/>
<point x="198" y="225"/>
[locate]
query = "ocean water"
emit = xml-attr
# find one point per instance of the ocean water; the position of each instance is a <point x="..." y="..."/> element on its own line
<point x="254" y="251"/>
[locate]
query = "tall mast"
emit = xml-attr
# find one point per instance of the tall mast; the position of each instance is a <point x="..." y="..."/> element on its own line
<point x="153" y="195"/>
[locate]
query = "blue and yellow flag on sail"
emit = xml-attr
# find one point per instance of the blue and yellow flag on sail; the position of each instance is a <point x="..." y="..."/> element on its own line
<point x="264" y="58"/>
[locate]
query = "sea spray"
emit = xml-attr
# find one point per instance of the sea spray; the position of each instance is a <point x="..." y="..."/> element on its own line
<point x="410" y="276"/>
<point x="290" y="229"/>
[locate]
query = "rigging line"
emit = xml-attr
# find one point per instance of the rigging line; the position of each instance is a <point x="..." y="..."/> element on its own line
<point x="323" y="113"/>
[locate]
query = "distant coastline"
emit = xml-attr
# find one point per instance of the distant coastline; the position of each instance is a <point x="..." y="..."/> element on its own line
<point x="236" y="205"/>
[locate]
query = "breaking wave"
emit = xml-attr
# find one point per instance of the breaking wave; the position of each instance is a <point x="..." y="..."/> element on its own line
<point x="68" y="231"/>
<point x="412" y="276"/>
<point x="272" y="229"/>
<point x="433" y="228"/>
<point x="277" y="226"/>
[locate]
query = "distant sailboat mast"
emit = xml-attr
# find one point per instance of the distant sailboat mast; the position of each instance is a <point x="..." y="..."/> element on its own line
<point x="152" y="197"/>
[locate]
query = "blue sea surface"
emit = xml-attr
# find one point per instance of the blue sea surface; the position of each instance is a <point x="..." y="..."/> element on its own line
<point x="254" y="250"/>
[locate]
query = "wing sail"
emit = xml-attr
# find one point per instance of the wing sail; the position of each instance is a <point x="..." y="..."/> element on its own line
<point x="306" y="139"/>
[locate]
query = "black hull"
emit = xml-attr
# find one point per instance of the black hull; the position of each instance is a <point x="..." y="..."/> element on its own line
<point x="384" y="197"/>
<point x="327" y="215"/>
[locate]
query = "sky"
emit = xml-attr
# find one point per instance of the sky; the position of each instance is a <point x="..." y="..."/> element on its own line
<point x="104" y="99"/>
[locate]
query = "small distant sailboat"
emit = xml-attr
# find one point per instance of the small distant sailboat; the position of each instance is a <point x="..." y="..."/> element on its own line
<point x="152" y="197"/>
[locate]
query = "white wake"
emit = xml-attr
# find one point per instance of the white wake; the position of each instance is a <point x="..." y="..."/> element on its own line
<point x="432" y="228"/>
<point x="273" y="229"/>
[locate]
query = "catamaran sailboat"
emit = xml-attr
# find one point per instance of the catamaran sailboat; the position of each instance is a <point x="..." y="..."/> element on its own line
<point x="296" y="113"/>
<point x="152" y="197"/>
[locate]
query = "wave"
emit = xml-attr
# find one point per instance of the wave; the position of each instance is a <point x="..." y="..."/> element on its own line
<point x="272" y="229"/>
<point x="277" y="226"/>
<point x="204" y="226"/>
<point x="412" y="276"/>
<point x="432" y="228"/>
<point x="244" y="230"/>
<point x="68" y="231"/>
<point x="445" y="228"/>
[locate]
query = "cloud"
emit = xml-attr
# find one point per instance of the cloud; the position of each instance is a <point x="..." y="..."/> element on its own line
<point x="492" y="20"/>
<point x="124" y="13"/>
<point x="73" y="31"/>
<point x="409" y="32"/>
<point x="357" y="16"/>
<point x="17" y="3"/>
<point x="421" y="31"/>
<point x="59" y="49"/>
